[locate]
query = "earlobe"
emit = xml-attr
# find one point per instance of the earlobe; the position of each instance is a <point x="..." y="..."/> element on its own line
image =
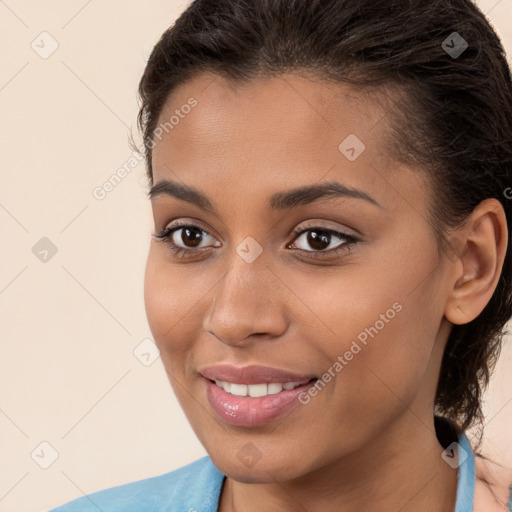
<point x="481" y="247"/>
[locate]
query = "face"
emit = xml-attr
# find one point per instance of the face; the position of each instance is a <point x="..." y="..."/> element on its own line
<point x="304" y="249"/>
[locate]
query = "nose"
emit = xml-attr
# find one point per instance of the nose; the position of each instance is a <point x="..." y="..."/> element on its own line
<point x="248" y="301"/>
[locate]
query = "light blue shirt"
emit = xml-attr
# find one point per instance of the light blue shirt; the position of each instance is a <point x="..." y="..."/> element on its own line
<point x="196" y="487"/>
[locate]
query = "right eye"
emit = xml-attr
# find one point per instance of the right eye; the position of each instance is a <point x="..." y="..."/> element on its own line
<point x="190" y="234"/>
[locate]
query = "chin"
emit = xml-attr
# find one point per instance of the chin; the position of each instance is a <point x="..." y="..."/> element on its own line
<point x="258" y="472"/>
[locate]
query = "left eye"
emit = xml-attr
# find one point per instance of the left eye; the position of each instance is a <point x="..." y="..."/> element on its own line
<point x="320" y="239"/>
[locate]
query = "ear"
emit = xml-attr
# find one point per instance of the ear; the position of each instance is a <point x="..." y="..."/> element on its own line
<point x="480" y="247"/>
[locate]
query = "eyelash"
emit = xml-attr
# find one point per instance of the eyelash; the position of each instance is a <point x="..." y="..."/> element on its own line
<point x="165" y="236"/>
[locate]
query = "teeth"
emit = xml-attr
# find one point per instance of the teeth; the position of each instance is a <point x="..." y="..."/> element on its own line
<point x="291" y="385"/>
<point x="274" y="388"/>
<point x="256" y="390"/>
<point x="225" y="385"/>
<point x="239" y="389"/>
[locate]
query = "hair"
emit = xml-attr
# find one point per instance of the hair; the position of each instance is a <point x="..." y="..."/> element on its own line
<point x="451" y="115"/>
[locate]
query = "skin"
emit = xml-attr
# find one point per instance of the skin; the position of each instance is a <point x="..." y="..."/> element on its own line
<point x="367" y="440"/>
<point x="491" y="486"/>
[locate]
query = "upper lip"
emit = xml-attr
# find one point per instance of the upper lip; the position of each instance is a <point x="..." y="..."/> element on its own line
<point x="253" y="374"/>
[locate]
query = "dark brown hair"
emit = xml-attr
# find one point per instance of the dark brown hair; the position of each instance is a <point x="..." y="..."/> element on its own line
<point x="451" y="114"/>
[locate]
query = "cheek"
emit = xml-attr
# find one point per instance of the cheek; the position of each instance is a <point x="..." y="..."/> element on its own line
<point x="169" y="304"/>
<point x="166" y="303"/>
<point x="375" y="380"/>
<point x="395" y="366"/>
<point x="382" y="335"/>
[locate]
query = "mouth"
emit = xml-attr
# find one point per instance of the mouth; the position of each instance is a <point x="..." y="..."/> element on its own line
<point x="259" y="390"/>
<point x="239" y="376"/>
<point x="255" y="405"/>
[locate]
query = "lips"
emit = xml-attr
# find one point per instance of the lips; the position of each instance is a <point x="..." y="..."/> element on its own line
<point x="234" y="392"/>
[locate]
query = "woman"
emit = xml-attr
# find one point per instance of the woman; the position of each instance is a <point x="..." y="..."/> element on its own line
<point x="330" y="272"/>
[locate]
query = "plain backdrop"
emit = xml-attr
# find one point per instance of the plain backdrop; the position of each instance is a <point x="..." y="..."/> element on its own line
<point x="79" y="411"/>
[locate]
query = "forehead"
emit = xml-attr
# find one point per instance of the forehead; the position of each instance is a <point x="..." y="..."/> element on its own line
<point x="288" y="111"/>
<point x="269" y="132"/>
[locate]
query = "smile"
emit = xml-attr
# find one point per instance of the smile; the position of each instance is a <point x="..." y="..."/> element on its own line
<point x="257" y="390"/>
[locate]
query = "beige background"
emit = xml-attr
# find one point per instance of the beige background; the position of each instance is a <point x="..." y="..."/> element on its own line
<point x="69" y="326"/>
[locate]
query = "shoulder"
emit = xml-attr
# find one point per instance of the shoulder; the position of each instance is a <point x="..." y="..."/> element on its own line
<point x="492" y="487"/>
<point x="194" y="486"/>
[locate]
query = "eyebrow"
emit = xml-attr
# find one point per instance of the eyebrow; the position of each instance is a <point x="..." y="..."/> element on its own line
<point x="279" y="201"/>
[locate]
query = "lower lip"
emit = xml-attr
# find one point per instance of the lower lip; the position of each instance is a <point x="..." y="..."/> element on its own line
<point x="245" y="411"/>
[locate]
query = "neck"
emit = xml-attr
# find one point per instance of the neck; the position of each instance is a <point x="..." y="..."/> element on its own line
<point x="400" y="470"/>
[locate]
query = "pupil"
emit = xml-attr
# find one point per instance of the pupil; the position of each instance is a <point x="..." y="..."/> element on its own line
<point x="195" y="240"/>
<point x="317" y="239"/>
